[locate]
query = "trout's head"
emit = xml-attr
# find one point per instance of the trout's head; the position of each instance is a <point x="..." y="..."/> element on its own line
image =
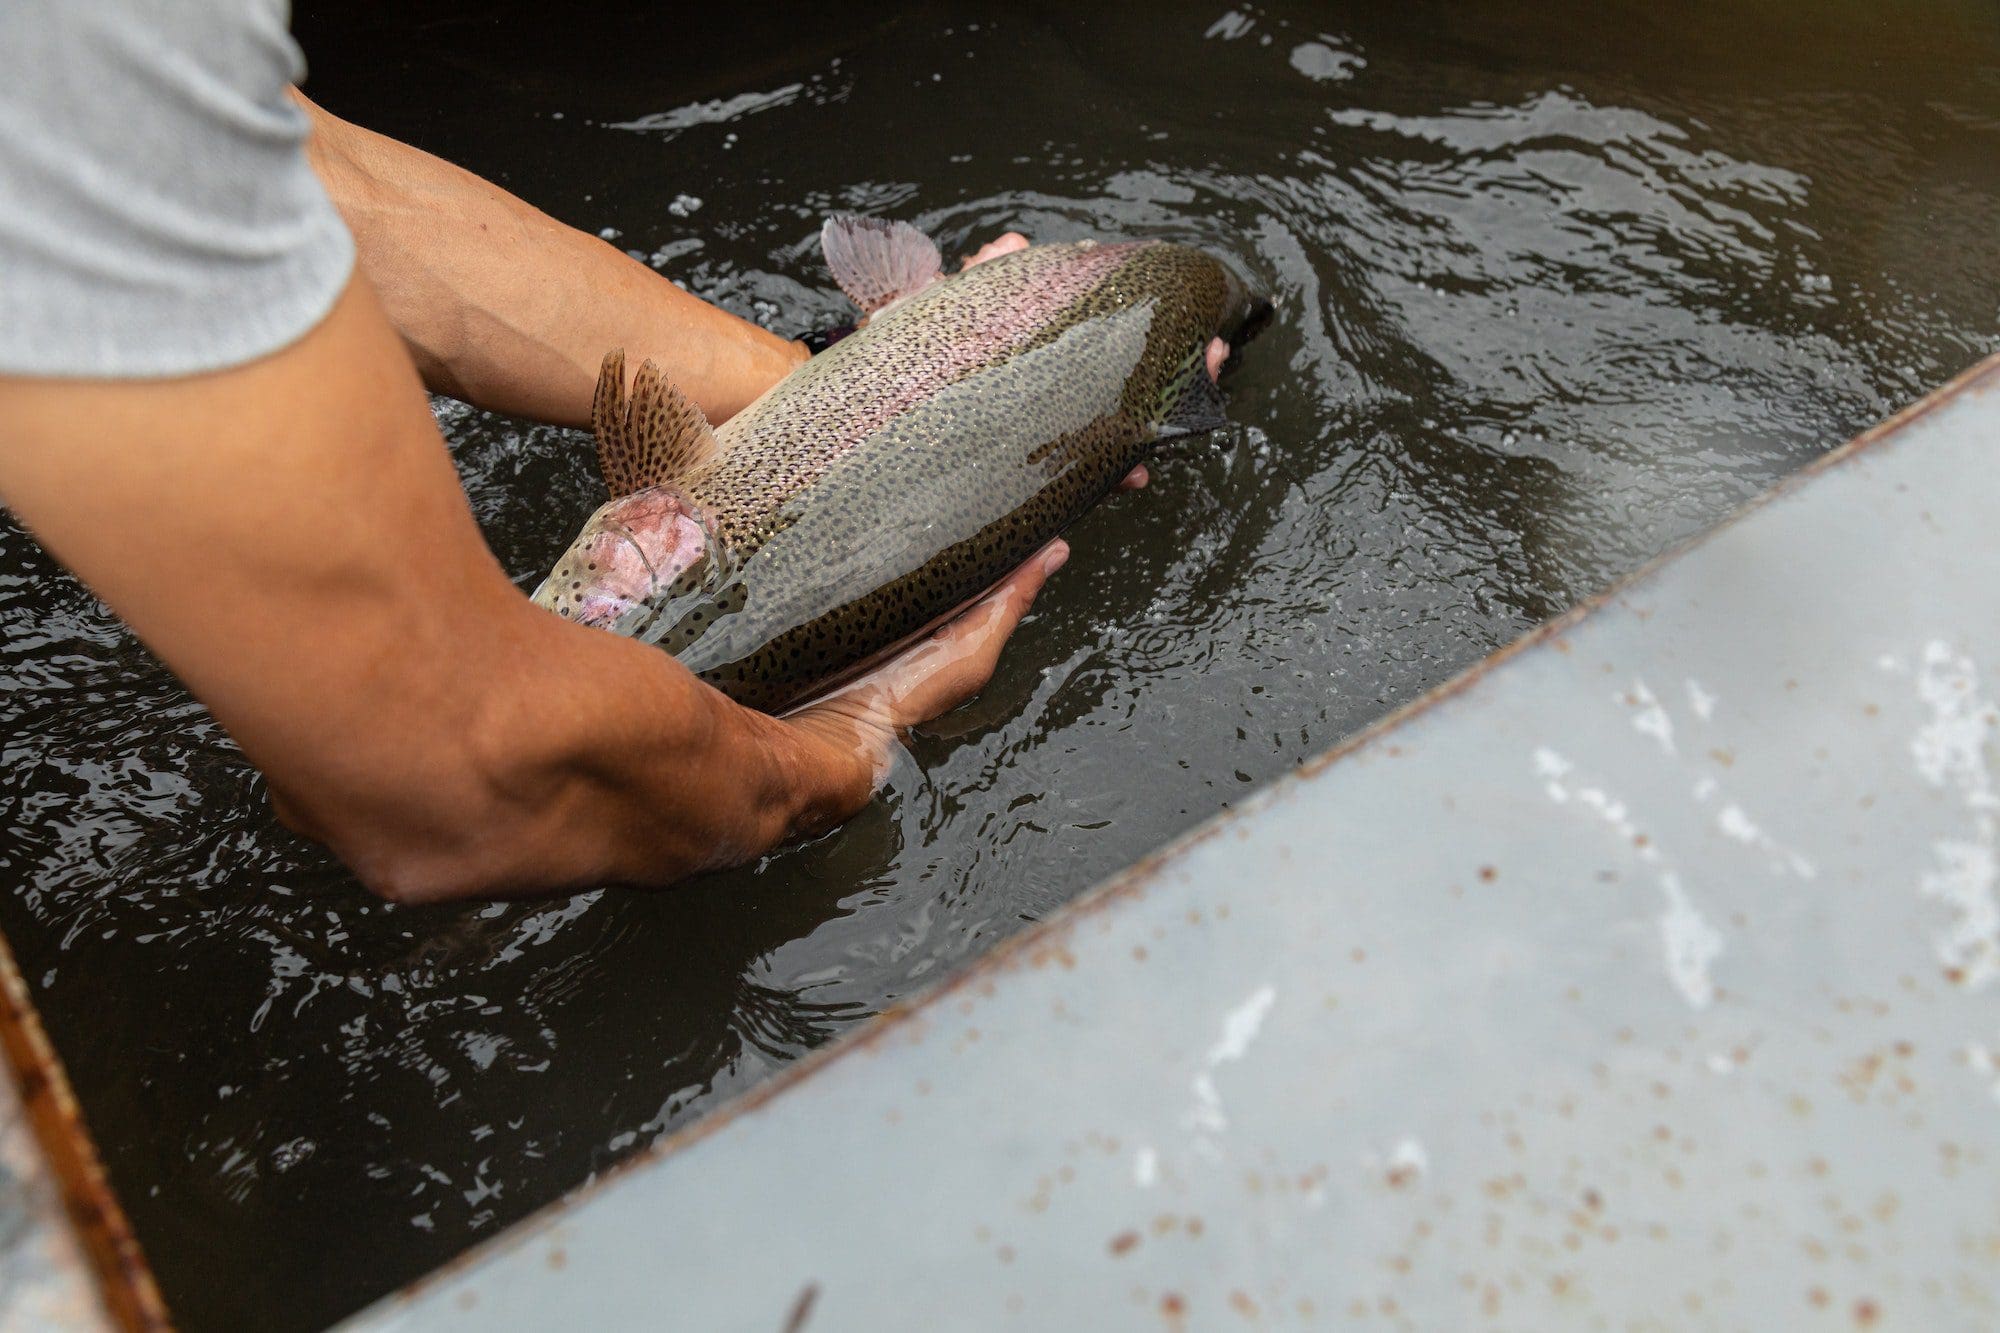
<point x="628" y="556"/>
<point x="1244" y="313"/>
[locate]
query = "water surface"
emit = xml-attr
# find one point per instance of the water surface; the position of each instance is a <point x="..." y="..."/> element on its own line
<point x="1559" y="284"/>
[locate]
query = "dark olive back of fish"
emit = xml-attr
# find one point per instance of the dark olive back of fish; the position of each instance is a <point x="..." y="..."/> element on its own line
<point x="909" y="468"/>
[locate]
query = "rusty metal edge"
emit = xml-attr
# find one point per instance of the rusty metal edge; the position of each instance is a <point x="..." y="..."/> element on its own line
<point x="124" y="1279"/>
<point x="1041" y="943"/>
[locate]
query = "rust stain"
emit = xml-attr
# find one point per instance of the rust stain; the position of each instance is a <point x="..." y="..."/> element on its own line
<point x="802" y="1308"/>
<point x="1124" y="1243"/>
<point x="123" y="1277"/>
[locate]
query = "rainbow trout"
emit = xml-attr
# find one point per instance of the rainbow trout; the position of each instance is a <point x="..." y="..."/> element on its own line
<point x="903" y="471"/>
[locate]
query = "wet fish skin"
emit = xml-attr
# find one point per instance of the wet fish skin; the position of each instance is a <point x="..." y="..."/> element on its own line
<point x="912" y="465"/>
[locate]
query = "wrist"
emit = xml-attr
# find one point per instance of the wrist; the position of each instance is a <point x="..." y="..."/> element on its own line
<point x="821" y="777"/>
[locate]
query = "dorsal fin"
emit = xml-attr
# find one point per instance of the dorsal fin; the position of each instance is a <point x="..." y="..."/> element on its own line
<point x="653" y="435"/>
<point x="877" y="261"/>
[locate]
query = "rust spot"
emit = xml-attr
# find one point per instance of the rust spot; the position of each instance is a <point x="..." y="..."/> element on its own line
<point x="1124" y="1242"/>
<point x="1866" y="1312"/>
<point x="1240" y="1302"/>
<point x="1360" y="955"/>
<point x="1194" y="1225"/>
<point x="1488" y="874"/>
<point x="1817" y="1297"/>
<point x="123" y="1276"/>
<point x="1006" y="1254"/>
<point x="1138" y="953"/>
<point x="1173" y="1305"/>
<point x="558" y="1258"/>
<point x="1593" y="1200"/>
<point x="1724" y="757"/>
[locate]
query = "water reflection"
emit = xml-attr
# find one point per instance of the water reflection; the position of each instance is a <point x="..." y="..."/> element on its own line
<point x="1558" y="285"/>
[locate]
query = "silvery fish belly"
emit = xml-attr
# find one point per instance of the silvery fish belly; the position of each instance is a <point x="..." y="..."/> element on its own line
<point x="900" y="473"/>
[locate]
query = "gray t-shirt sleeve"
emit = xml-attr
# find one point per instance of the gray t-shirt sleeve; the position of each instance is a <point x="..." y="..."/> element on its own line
<point x="157" y="213"/>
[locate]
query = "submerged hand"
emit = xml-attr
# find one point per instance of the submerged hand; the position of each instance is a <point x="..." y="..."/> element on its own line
<point x="862" y="720"/>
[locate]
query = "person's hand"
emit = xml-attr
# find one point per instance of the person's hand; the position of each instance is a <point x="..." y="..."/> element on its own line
<point x="859" y="724"/>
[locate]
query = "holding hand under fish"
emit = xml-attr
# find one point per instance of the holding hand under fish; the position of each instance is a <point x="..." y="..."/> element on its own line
<point x="901" y="473"/>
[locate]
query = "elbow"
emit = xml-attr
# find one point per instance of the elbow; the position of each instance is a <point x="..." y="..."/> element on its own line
<point x="407" y="879"/>
<point x="392" y="866"/>
<point x="413" y="850"/>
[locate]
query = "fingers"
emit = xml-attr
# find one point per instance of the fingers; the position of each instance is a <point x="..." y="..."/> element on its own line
<point x="1005" y="244"/>
<point x="1218" y="352"/>
<point x="1136" y="479"/>
<point x="935" y="675"/>
<point x="961" y="656"/>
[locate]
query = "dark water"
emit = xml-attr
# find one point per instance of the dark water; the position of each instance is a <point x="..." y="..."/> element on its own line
<point x="1558" y="285"/>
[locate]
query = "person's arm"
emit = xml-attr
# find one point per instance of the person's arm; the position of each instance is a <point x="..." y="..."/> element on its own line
<point x="503" y="306"/>
<point x="290" y="538"/>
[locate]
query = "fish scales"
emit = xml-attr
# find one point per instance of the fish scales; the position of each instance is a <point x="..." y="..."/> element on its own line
<point x="911" y="466"/>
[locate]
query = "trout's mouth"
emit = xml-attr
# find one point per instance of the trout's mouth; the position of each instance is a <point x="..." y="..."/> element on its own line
<point x="627" y="557"/>
<point x="1244" y="313"/>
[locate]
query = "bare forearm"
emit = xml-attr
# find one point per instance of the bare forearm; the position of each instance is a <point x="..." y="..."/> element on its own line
<point x="505" y="307"/>
<point x="291" y="539"/>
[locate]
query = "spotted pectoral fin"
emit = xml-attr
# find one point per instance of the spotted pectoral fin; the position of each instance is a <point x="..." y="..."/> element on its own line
<point x="877" y="261"/>
<point x="1198" y="408"/>
<point x="649" y="435"/>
